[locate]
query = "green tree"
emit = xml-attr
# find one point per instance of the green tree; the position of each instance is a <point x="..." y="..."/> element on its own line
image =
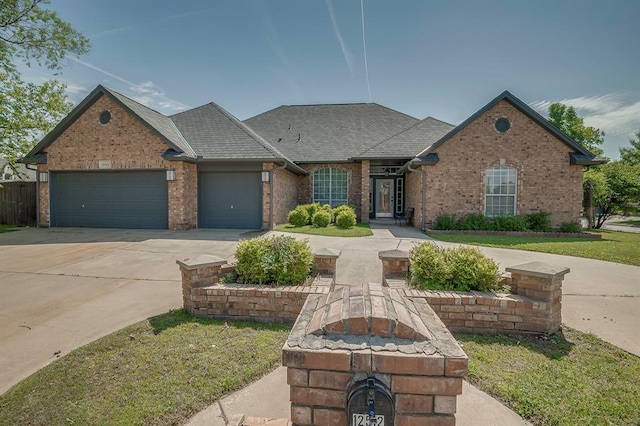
<point x="31" y="34"/>
<point x="631" y="155"/>
<point x="567" y="119"/>
<point x="616" y="189"/>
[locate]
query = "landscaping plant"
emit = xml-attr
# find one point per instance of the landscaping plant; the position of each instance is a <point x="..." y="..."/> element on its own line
<point x="279" y="259"/>
<point x="299" y="216"/>
<point x="321" y="219"/>
<point x="456" y="269"/>
<point x="344" y="216"/>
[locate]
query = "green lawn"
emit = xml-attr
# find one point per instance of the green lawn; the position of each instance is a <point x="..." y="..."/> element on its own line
<point x="571" y="378"/>
<point x="634" y="223"/>
<point x="621" y="247"/>
<point x="360" y="230"/>
<point x="7" y="228"/>
<point x="158" y="372"/>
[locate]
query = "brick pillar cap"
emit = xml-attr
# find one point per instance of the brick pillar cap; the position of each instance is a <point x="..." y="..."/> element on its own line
<point x="327" y="253"/>
<point x="539" y="269"/>
<point x="393" y="254"/>
<point x="200" y="261"/>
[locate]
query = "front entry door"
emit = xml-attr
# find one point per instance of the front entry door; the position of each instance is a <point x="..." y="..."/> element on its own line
<point x="385" y="199"/>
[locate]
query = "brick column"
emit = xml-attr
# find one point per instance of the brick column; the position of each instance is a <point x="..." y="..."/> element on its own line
<point x="539" y="280"/>
<point x="395" y="267"/>
<point x="198" y="271"/>
<point x="364" y="201"/>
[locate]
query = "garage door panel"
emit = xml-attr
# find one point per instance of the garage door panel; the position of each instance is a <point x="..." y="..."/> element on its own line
<point x="230" y="200"/>
<point x="109" y="199"/>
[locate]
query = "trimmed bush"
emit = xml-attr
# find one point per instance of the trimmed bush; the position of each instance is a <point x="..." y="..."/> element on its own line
<point x="445" y="222"/>
<point x="538" y="222"/>
<point x="469" y="269"/>
<point x="281" y="260"/>
<point x="311" y="209"/>
<point x="476" y="222"/>
<point x="428" y="266"/>
<point x="574" y="227"/>
<point x="299" y="216"/>
<point x="455" y="269"/>
<point x="510" y="223"/>
<point x="321" y="219"/>
<point x="346" y="219"/>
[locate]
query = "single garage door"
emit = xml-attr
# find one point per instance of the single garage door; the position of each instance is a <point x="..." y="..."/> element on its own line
<point x="127" y="199"/>
<point x="230" y="200"/>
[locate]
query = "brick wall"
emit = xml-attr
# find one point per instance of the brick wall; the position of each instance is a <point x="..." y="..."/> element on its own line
<point x="413" y="195"/>
<point x="546" y="181"/>
<point x="364" y="190"/>
<point x="354" y="184"/>
<point x="285" y="188"/>
<point x="128" y="144"/>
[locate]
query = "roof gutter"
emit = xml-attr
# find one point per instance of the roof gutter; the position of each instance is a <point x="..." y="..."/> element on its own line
<point x="423" y="208"/>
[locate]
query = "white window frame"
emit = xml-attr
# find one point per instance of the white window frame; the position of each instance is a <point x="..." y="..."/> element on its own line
<point x="333" y="193"/>
<point x="503" y="174"/>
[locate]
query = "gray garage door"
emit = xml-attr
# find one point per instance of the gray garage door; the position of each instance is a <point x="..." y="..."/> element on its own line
<point x="230" y="200"/>
<point x="109" y="199"/>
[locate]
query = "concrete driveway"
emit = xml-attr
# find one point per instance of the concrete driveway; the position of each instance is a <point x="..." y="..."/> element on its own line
<point x="63" y="288"/>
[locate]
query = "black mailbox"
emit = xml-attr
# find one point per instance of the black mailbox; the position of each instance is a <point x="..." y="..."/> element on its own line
<point x="370" y="404"/>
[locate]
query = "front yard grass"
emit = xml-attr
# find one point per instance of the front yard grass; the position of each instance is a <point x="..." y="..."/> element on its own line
<point x="621" y="247"/>
<point x="570" y="378"/>
<point x="158" y="372"/>
<point x="360" y="230"/>
<point x="634" y="223"/>
<point x="7" y="228"/>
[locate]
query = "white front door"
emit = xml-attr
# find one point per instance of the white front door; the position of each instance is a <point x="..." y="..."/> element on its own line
<point x="384" y="197"/>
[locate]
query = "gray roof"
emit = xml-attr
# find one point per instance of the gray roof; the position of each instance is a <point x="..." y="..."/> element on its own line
<point x="409" y="142"/>
<point x="328" y="133"/>
<point x="214" y="133"/>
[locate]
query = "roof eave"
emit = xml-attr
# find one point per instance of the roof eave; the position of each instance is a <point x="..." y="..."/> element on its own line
<point x="427" y="160"/>
<point x="585" y="160"/>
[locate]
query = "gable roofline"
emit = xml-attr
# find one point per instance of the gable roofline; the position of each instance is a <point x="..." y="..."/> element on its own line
<point x="86" y="103"/>
<point x="278" y="156"/>
<point x="328" y="105"/>
<point x="522" y="107"/>
<point x="362" y="156"/>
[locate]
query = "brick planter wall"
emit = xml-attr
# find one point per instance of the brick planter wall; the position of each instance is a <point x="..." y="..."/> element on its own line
<point x="534" y="305"/>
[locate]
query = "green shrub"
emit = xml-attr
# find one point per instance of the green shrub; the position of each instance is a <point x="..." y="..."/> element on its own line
<point x="445" y="222"/>
<point x="476" y="222"/>
<point x="321" y="219"/>
<point x="311" y="210"/>
<point x="279" y="260"/>
<point x="456" y="269"/>
<point x="574" y="227"/>
<point x="510" y="223"/>
<point x="346" y="219"/>
<point x="469" y="269"/>
<point x="299" y="216"/>
<point x="341" y="208"/>
<point x="538" y="222"/>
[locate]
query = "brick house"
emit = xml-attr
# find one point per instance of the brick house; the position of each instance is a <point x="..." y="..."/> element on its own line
<point x="113" y="162"/>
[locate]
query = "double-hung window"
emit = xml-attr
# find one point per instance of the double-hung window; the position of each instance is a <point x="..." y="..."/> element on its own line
<point x="330" y="186"/>
<point x="500" y="185"/>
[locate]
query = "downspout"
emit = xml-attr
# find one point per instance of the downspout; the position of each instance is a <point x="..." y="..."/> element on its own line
<point x="271" y="175"/>
<point x="37" y="194"/>
<point x="423" y="209"/>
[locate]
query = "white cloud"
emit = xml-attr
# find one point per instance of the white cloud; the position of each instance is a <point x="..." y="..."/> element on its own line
<point x="343" y="45"/>
<point x="615" y="113"/>
<point x="147" y="93"/>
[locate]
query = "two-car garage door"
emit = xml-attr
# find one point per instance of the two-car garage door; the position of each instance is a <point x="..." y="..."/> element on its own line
<point x="113" y="199"/>
<point x="139" y="199"/>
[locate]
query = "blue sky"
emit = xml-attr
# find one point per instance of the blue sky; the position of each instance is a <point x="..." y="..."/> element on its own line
<point x="444" y="59"/>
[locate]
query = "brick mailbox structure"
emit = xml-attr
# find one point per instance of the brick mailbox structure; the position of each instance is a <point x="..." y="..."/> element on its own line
<point x="371" y="338"/>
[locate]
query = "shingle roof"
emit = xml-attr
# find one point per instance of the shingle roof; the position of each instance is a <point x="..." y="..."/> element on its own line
<point x="409" y="142"/>
<point x="328" y="133"/>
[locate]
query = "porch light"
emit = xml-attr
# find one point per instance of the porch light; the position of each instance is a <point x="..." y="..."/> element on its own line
<point x="44" y="176"/>
<point x="265" y="176"/>
<point x="171" y="174"/>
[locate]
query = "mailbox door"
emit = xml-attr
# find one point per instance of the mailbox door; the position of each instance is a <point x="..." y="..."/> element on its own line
<point x="370" y="404"/>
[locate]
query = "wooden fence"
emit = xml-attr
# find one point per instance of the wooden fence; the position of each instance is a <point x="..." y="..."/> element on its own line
<point x="18" y="203"/>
